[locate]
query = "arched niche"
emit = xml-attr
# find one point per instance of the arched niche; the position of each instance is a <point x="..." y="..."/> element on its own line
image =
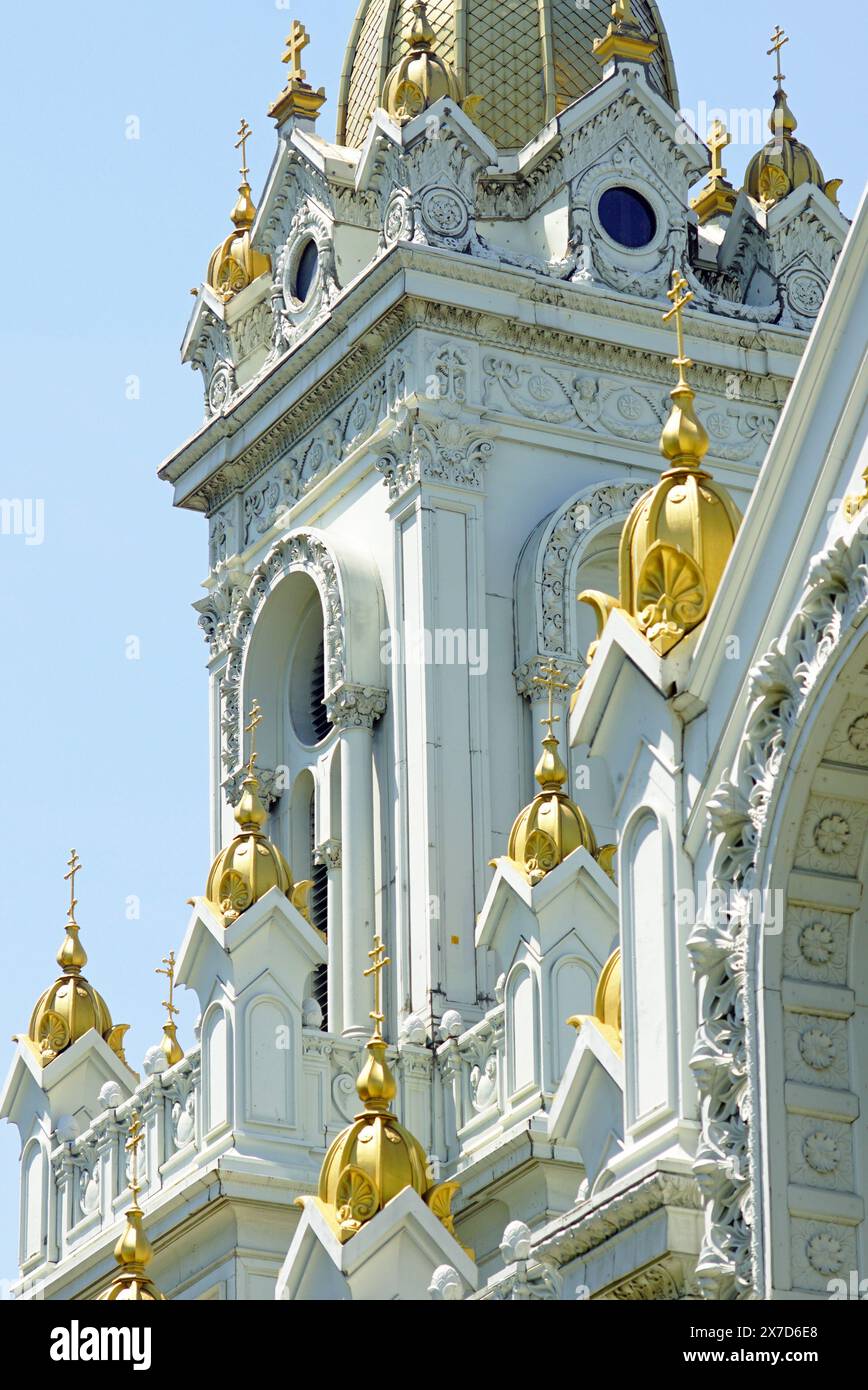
<point x="216" y="1071"/>
<point x="650" y="1007"/>
<point x="270" y="1046"/>
<point x="522" y="1032"/>
<point x="572" y="989"/>
<point x="573" y="549"/>
<point x="34" y="1203"/>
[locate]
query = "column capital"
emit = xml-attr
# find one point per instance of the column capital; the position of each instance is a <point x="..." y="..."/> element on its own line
<point x="355" y="706"/>
<point x="328" y="854"/>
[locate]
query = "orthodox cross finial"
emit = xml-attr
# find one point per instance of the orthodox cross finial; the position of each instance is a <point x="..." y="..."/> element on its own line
<point x="255" y="721"/>
<point x="380" y="961"/>
<point x="779" y="38"/>
<point x="244" y="134"/>
<point x="622" y="12"/>
<point x="718" y="139"/>
<point x="169" y="972"/>
<point x="296" y="42"/>
<point x="74" y="864"/>
<point x="133" y="1144"/>
<point x="680" y="296"/>
<point x="550" y="678"/>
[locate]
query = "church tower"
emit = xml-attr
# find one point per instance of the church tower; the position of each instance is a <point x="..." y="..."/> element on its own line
<point x="436" y="364"/>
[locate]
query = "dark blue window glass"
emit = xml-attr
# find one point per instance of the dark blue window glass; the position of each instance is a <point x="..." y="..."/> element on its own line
<point x="627" y="217"/>
<point x="305" y="273"/>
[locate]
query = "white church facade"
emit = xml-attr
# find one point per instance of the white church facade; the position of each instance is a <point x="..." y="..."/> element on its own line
<point x="533" y="962"/>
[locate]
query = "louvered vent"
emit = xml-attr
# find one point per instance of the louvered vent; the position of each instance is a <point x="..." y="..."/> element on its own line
<point x="318" y="717"/>
<point x="319" y="914"/>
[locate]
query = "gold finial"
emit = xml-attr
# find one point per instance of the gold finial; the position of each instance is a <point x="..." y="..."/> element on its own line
<point x="296" y="42"/>
<point x="779" y="39"/>
<point x="624" y="37"/>
<point x="550" y="678"/>
<point x="255" y="717"/>
<point x="134" y="1142"/>
<point x="718" y="139"/>
<point x="244" y="134"/>
<point x="380" y="961"/>
<point x="169" y="1044"/>
<point x="297" y="98"/>
<point x="74" y="864"/>
<point x="680" y="296"/>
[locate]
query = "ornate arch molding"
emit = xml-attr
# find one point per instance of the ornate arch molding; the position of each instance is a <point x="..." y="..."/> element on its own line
<point x="548" y="564"/>
<point x="785" y="687"/>
<point x="353" y="608"/>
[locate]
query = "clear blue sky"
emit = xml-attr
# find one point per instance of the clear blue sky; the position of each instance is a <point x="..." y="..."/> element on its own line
<point x="104" y="237"/>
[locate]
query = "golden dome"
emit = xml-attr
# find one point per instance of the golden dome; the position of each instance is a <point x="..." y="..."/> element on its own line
<point x="235" y="264"/>
<point x="607" y="1004"/>
<point x="71" y="1006"/>
<point x="679" y="535"/>
<point x="552" y="826"/>
<point x="524" y="61"/>
<point x="133" y="1251"/>
<point x="421" y="77"/>
<point x="784" y="164"/>
<point x="376" y="1158"/>
<point x="248" y="868"/>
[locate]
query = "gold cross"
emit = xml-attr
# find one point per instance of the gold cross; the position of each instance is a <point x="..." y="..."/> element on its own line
<point x="718" y="139"/>
<point x="255" y="721"/>
<point x="622" y="12"/>
<point x="169" y="972"/>
<point x="244" y="133"/>
<point x="680" y="296"/>
<point x="381" y="960"/>
<point x="779" y="38"/>
<point x="74" y="866"/>
<point x="297" y="41"/>
<point x="550" y="679"/>
<point x="133" y="1144"/>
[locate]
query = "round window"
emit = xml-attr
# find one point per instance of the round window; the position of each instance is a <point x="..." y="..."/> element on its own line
<point x="305" y="271"/>
<point x="627" y="217"/>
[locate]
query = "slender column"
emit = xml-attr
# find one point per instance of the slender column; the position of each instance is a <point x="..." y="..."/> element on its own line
<point x="353" y="710"/>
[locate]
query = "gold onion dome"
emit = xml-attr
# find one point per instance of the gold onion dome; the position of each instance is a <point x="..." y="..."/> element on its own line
<point x="71" y="1007"/>
<point x="235" y="264"/>
<point x="607" y="1004"/>
<point x="421" y="77"/>
<point x="552" y="826"/>
<point x="784" y="164"/>
<point x="678" y="538"/>
<point x="251" y="865"/>
<point x="526" y="62"/>
<point x="133" y="1252"/>
<point x="376" y="1158"/>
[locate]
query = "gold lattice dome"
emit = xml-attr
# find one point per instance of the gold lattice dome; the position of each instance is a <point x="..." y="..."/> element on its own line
<point x="235" y="264"/>
<point x="679" y="536"/>
<point x="72" y="1007"/>
<point x="251" y="865"/>
<point x="784" y="164"/>
<point x="525" y="61"/>
<point x="552" y="826"/>
<point x="607" y="1003"/>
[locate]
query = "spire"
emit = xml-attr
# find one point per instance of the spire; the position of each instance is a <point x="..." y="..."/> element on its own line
<point x="684" y="441"/>
<point x="552" y="826"/>
<point x="252" y="864"/>
<point x="784" y="164"/>
<point x="718" y="197"/>
<point x="133" y="1251"/>
<point x="172" y="1049"/>
<point x="375" y="1158"/>
<point x="298" y="98"/>
<point x="235" y="264"/>
<point x="624" y="39"/>
<point x="71" y="1007"/>
<point x="679" y="536"/>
